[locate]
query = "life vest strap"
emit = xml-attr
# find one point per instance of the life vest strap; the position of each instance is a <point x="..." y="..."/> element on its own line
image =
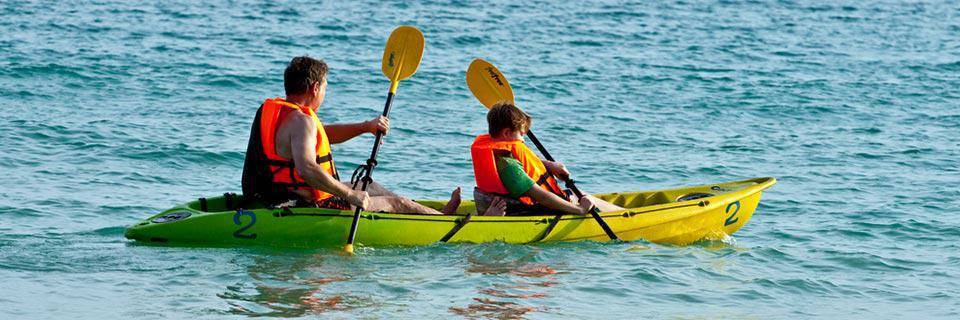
<point x="543" y="179"/>
<point x="280" y="163"/>
<point x="326" y="158"/>
<point x="543" y="182"/>
<point x="289" y="163"/>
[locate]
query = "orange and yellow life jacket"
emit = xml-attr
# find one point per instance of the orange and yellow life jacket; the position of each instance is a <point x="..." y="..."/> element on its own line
<point x="484" y="152"/>
<point x="273" y="114"/>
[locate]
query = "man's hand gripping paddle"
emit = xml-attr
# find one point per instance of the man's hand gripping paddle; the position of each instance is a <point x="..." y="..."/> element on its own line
<point x="401" y="57"/>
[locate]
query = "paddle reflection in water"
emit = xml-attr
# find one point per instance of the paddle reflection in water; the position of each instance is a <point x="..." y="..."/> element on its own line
<point x="288" y="286"/>
<point x="521" y="282"/>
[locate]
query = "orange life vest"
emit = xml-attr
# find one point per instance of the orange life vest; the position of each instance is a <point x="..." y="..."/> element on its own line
<point x="274" y="113"/>
<point x="484" y="152"/>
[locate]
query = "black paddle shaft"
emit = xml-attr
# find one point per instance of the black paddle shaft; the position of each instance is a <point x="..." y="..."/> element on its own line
<point x="366" y="179"/>
<point x="595" y="212"/>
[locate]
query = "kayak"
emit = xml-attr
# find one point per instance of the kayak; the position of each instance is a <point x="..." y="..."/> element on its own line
<point x="675" y="216"/>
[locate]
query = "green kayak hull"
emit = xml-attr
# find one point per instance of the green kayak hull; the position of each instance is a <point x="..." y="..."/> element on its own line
<point x="676" y="216"/>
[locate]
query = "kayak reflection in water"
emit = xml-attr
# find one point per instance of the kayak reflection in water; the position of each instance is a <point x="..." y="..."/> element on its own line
<point x="512" y="180"/>
<point x="289" y="161"/>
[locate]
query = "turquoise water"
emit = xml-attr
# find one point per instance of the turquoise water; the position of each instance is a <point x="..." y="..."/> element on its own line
<point x="116" y="110"/>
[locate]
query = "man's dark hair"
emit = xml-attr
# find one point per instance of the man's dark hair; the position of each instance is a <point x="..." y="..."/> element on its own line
<point x="301" y="73"/>
<point x="505" y="115"/>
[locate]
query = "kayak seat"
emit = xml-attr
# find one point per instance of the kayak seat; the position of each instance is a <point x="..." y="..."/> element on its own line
<point x="636" y="200"/>
<point x="514" y="206"/>
<point x="226" y="202"/>
<point x="657" y="198"/>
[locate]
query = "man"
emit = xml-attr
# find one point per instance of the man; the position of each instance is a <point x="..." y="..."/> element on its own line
<point x="289" y="158"/>
<point x="511" y="179"/>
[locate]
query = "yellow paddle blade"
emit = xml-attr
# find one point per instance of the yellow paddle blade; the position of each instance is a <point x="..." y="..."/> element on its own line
<point x="402" y="55"/>
<point x="487" y="83"/>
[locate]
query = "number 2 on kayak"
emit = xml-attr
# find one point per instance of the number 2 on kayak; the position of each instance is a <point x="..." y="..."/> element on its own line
<point x="732" y="218"/>
<point x="236" y="221"/>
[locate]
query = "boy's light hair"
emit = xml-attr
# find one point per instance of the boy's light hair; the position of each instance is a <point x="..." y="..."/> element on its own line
<point x="505" y="115"/>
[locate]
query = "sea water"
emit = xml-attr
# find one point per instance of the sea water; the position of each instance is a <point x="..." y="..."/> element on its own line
<point x="116" y="110"/>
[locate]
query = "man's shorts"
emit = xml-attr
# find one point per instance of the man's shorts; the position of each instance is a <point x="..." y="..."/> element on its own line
<point x="335" y="203"/>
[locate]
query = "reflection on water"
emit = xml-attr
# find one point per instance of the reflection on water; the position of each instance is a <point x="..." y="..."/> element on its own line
<point x="488" y="281"/>
<point x="298" y="284"/>
<point x="489" y="308"/>
<point x="286" y="286"/>
<point x="504" y="294"/>
<point x="523" y="283"/>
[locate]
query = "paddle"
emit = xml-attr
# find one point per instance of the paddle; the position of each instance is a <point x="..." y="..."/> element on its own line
<point x="490" y="86"/>
<point x="401" y="57"/>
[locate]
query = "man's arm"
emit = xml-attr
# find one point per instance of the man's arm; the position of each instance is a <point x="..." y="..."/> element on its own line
<point x="339" y="133"/>
<point x="303" y="145"/>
